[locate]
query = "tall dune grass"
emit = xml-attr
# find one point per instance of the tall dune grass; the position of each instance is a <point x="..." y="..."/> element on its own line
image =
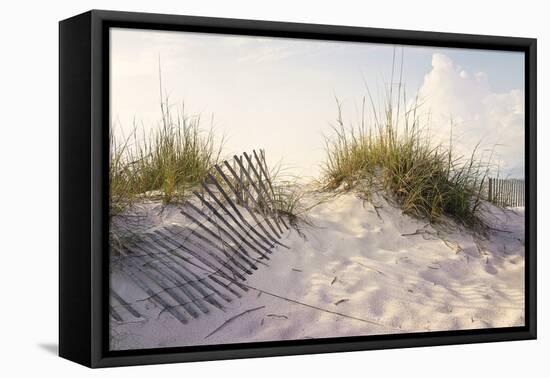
<point x="163" y="164"/>
<point x="175" y="158"/>
<point x="397" y="155"/>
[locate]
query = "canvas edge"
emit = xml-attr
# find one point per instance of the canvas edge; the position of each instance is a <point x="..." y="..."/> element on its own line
<point x="96" y="354"/>
<point x="75" y="271"/>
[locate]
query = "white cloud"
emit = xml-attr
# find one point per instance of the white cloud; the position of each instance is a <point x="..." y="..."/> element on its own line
<point x="478" y="114"/>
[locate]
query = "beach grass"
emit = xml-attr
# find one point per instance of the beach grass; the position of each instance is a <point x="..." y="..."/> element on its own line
<point x="397" y="155"/>
<point x="288" y="196"/>
<point x="172" y="160"/>
<point x="162" y="164"/>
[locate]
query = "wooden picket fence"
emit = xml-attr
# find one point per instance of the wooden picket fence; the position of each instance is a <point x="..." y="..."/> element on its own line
<point x="187" y="270"/>
<point x="506" y="192"/>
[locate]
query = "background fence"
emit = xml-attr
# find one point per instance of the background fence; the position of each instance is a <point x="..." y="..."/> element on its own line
<point x="507" y="192"/>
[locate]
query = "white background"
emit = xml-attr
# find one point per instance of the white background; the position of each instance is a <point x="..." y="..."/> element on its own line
<point x="29" y="187"/>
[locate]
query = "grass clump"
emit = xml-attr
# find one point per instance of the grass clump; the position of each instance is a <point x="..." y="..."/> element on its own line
<point x="163" y="164"/>
<point x="288" y="197"/>
<point x="397" y="155"/>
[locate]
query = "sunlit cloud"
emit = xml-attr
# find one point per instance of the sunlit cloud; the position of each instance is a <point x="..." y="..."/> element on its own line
<point x="463" y="102"/>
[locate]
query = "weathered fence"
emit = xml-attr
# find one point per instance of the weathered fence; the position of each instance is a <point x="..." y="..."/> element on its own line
<point x="506" y="192"/>
<point x="191" y="268"/>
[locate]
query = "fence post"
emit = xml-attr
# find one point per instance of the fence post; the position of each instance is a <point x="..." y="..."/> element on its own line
<point x="500" y="192"/>
<point x="514" y="187"/>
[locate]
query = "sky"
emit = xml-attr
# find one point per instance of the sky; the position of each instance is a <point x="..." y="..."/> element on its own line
<point x="280" y="94"/>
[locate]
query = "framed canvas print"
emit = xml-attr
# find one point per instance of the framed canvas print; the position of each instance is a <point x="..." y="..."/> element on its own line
<point x="235" y="188"/>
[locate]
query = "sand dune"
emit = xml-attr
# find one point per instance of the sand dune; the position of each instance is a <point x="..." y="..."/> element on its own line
<point x="360" y="269"/>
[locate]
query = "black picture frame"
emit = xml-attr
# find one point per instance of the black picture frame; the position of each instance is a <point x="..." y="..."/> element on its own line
<point x="83" y="181"/>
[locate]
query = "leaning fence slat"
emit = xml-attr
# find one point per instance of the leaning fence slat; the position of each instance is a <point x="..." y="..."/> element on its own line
<point x="264" y="170"/>
<point x="239" y="224"/>
<point x="236" y="210"/>
<point x="232" y="188"/>
<point x="256" y="204"/>
<point x="216" y="236"/>
<point x="243" y="198"/>
<point x="229" y="226"/>
<point x="254" y="201"/>
<point x="263" y="193"/>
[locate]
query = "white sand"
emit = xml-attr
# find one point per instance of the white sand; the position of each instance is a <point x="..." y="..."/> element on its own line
<point x="359" y="273"/>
